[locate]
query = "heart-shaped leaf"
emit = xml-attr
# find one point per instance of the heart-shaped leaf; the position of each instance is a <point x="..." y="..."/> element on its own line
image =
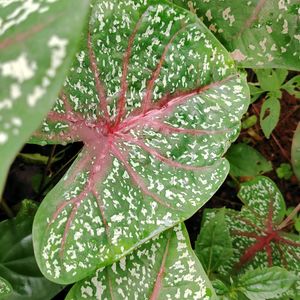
<point x="163" y="268"/>
<point x="156" y="101"/>
<point x="37" y="43"/>
<point x="258" y="232"/>
<point x="18" y="265"/>
<point x="259" y="33"/>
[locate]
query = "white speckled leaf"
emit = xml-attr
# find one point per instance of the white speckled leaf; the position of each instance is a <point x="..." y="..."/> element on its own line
<point x="5" y="287"/>
<point x="257" y="239"/>
<point x="164" y="268"/>
<point x="259" y="33"/>
<point x="156" y="101"/>
<point x="37" y="43"/>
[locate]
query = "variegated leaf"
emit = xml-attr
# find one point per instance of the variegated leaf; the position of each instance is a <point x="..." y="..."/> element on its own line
<point x="258" y="232"/>
<point x="156" y="101"/>
<point x="163" y="268"/>
<point x="259" y="33"/>
<point x="37" y="43"/>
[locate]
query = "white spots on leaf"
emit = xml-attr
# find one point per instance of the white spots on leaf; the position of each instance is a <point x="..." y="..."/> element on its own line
<point x="282" y="5"/>
<point x="227" y="16"/>
<point x="285" y="28"/>
<point x="208" y="15"/>
<point x="3" y="137"/>
<point x="263" y="44"/>
<point x="20" y="68"/>
<point x="58" y="47"/>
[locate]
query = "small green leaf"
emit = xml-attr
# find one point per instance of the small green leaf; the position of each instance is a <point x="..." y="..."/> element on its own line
<point x="271" y="79"/>
<point x="17" y="262"/>
<point x="37" y="43"/>
<point x="293" y="86"/>
<point x="284" y="171"/>
<point x="255" y="91"/>
<point x="213" y="246"/>
<point x="5" y="288"/>
<point x="295" y="152"/>
<point x="220" y="287"/>
<point x="162" y="268"/>
<point x="246" y="161"/>
<point x="260" y="284"/>
<point x="269" y="115"/>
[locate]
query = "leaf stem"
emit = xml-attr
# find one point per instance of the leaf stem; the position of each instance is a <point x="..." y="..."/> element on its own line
<point x="6" y="208"/>
<point x="289" y="218"/>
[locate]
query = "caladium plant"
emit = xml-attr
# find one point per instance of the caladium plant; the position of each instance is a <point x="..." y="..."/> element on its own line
<point x="156" y="100"/>
<point x="258" y="33"/>
<point x="37" y="43"/>
<point x="259" y="232"/>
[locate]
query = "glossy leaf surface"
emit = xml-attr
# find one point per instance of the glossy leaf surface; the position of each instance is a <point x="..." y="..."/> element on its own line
<point x="259" y="33"/>
<point x="37" y="43"/>
<point x="156" y="101"/>
<point x="18" y="265"/>
<point x="163" y="268"/>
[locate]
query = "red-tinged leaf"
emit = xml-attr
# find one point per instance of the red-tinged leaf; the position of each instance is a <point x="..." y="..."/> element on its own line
<point x="259" y="234"/>
<point x="156" y="101"/>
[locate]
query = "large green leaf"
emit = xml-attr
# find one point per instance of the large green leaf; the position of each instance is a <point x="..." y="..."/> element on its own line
<point x="17" y="263"/>
<point x="259" y="33"/>
<point x="163" y="268"/>
<point x="37" y="43"/>
<point x="156" y="101"/>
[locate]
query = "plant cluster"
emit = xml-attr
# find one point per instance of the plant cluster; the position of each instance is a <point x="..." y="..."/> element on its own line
<point x="154" y="92"/>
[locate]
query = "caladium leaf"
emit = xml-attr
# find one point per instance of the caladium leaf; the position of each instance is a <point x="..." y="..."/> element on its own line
<point x="156" y="101"/>
<point x="5" y="287"/>
<point x="37" y="43"/>
<point x="162" y="268"/>
<point x="258" y="232"/>
<point x="259" y="33"/>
